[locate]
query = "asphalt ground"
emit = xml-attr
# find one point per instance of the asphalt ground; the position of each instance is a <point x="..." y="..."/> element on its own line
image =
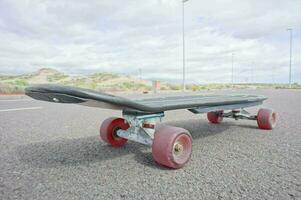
<point x="52" y="151"/>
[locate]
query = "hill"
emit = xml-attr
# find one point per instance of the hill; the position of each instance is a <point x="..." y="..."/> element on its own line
<point x="97" y="81"/>
<point x="111" y="82"/>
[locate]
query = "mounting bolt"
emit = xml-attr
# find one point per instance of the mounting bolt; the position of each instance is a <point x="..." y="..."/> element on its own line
<point x="55" y="99"/>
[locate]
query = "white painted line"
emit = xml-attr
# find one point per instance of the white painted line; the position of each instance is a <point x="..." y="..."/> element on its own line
<point x="18" y="109"/>
<point x="15" y="100"/>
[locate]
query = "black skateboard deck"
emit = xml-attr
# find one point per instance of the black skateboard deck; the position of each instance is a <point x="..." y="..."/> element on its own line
<point x="66" y="94"/>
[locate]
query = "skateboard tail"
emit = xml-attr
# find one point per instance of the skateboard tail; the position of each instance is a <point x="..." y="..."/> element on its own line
<point x="53" y="97"/>
<point x="65" y="94"/>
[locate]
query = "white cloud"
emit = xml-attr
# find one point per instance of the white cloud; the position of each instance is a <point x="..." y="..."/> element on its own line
<point x="123" y="36"/>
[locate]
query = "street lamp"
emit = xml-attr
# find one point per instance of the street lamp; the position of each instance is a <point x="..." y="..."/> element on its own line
<point x="232" y="75"/>
<point x="291" y="49"/>
<point x="140" y="74"/>
<point x="183" y="34"/>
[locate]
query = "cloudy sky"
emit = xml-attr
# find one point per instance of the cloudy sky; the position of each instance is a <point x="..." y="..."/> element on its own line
<point x="123" y="36"/>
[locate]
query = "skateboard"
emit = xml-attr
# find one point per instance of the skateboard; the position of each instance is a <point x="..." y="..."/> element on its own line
<point x="171" y="146"/>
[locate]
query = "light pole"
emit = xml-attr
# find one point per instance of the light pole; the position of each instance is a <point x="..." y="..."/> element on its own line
<point x="252" y="73"/>
<point x="232" y="75"/>
<point x="140" y="74"/>
<point x="291" y="49"/>
<point x="183" y="35"/>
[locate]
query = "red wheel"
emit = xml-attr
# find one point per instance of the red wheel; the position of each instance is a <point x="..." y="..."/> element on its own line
<point x="215" y="117"/>
<point x="266" y="119"/>
<point x="172" y="146"/>
<point x="108" y="131"/>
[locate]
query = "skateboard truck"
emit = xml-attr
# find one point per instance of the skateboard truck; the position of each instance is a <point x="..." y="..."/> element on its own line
<point x="142" y="127"/>
<point x="239" y="114"/>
